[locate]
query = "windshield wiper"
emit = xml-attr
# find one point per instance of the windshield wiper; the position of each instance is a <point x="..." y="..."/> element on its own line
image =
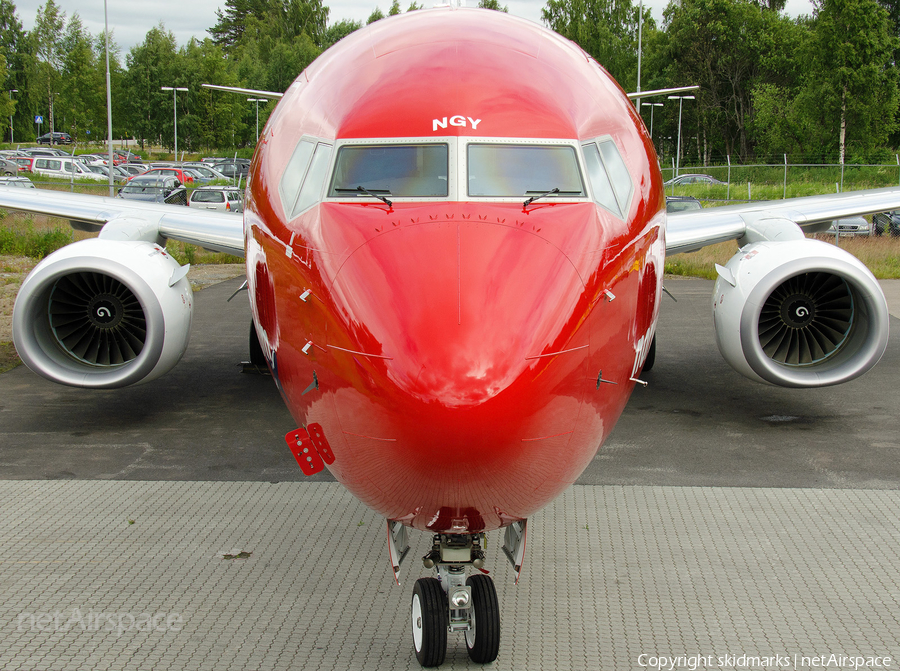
<point x="364" y="190"/>
<point x="541" y="195"/>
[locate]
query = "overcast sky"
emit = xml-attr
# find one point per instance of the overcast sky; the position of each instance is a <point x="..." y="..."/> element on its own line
<point x="130" y="20"/>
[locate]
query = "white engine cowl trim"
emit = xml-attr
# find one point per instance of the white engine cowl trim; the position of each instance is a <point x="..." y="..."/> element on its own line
<point x="146" y="269"/>
<point x="756" y="271"/>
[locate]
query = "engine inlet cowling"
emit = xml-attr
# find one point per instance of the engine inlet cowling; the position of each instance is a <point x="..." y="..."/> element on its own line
<point x="799" y="313"/>
<point x="103" y="314"/>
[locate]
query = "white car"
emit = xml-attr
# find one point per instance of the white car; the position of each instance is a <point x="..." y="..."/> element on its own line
<point x="856" y="226"/>
<point x="20" y="182"/>
<point x="221" y="198"/>
<point x="65" y="168"/>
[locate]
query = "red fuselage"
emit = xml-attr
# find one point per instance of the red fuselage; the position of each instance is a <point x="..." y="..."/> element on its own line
<point x="465" y="355"/>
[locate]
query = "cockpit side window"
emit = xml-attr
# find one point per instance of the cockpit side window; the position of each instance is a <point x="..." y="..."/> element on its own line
<point x="609" y="176"/>
<point x="395" y="170"/>
<point x="301" y="184"/>
<point x="506" y="170"/>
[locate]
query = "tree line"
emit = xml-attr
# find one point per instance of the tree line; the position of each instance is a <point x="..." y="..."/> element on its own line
<point x="818" y="88"/>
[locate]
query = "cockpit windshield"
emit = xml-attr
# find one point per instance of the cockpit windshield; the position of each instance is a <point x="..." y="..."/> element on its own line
<point x="502" y="170"/>
<point x="410" y="170"/>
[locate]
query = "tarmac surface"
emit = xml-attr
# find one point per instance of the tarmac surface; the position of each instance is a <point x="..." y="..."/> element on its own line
<point x="722" y="519"/>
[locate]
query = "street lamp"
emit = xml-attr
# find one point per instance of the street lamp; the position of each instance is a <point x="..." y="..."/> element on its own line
<point x="651" y="106"/>
<point x="11" y="140"/>
<point x="680" y="100"/>
<point x="257" y="101"/>
<point x="52" y="98"/>
<point x="174" y="91"/>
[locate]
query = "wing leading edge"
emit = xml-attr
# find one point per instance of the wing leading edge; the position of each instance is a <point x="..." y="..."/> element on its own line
<point x="120" y="219"/>
<point x="691" y="230"/>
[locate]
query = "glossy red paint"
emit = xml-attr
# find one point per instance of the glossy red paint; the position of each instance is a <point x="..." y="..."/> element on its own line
<point x="465" y="359"/>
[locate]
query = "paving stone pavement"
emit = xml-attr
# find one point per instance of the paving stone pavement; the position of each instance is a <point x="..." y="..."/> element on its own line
<point x="615" y="576"/>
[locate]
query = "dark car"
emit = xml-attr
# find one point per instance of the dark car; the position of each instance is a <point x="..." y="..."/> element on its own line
<point x="55" y="138"/>
<point x="232" y="169"/>
<point x="682" y="203"/>
<point x="155" y="189"/>
<point x="127" y="157"/>
<point x="681" y="180"/>
<point x="886" y="222"/>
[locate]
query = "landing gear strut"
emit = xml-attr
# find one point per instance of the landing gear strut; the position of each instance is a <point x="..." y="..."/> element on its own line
<point x="454" y="603"/>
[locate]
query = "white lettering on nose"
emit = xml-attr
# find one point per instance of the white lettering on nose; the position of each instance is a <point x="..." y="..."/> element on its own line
<point x="456" y="120"/>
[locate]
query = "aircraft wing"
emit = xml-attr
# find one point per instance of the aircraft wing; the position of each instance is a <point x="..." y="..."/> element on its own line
<point x="132" y="220"/>
<point x="691" y="230"/>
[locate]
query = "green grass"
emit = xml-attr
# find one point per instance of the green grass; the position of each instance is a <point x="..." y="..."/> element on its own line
<point x="185" y="253"/>
<point x="22" y="238"/>
<point x="880" y="254"/>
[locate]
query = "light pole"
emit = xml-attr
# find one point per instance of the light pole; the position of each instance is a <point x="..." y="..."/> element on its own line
<point x="651" y="106"/>
<point x="174" y="90"/>
<point x="680" y="100"/>
<point x="11" y="140"/>
<point x="52" y="98"/>
<point x="257" y="101"/>
<point x="109" y="138"/>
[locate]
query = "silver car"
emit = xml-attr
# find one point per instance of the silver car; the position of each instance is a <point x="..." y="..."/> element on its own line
<point x="221" y="198"/>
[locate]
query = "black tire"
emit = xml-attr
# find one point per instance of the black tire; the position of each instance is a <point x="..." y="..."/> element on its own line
<point x="651" y="355"/>
<point x="257" y="358"/>
<point x="483" y="639"/>
<point x="429" y="622"/>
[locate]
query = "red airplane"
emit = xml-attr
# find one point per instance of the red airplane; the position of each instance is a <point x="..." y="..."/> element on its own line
<point x="454" y="235"/>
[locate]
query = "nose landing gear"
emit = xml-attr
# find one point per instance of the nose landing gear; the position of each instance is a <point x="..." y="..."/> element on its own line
<point x="452" y="602"/>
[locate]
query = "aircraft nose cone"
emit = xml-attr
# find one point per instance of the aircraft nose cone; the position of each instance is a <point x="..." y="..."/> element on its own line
<point x="463" y="309"/>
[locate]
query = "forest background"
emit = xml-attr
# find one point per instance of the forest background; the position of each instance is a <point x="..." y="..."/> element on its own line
<point x="821" y="88"/>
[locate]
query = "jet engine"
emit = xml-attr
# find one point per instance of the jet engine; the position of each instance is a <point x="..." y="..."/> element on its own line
<point x="104" y="314"/>
<point x="799" y="313"/>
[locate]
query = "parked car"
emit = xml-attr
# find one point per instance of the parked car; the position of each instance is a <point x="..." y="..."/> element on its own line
<point x="20" y="182"/>
<point x="133" y="168"/>
<point x="119" y="176"/>
<point x="682" y="203"/>
<point x="886" y="222"/>
<point x="208" y="174"/>
<point x="45" y="151"/>
<point x="128" y="157"/>
<point x="24" y="163"/>
<point x="681" y="180"/>
<point x="92" y="159"/>
<point x="856" y="226"/>
<point x="8" y="167"/>
<point x="232" y="169"/>
<point x="55" y="138"/>
<point x="221" y="198"/>
<point x="177" y="173"/>
<point x="155" y="189"/>
<point x="48" y="166"/>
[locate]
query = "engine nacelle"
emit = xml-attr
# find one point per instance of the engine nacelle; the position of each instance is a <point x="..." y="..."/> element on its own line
<point x="104" y="314"/>
<point x="800" y="313"/>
